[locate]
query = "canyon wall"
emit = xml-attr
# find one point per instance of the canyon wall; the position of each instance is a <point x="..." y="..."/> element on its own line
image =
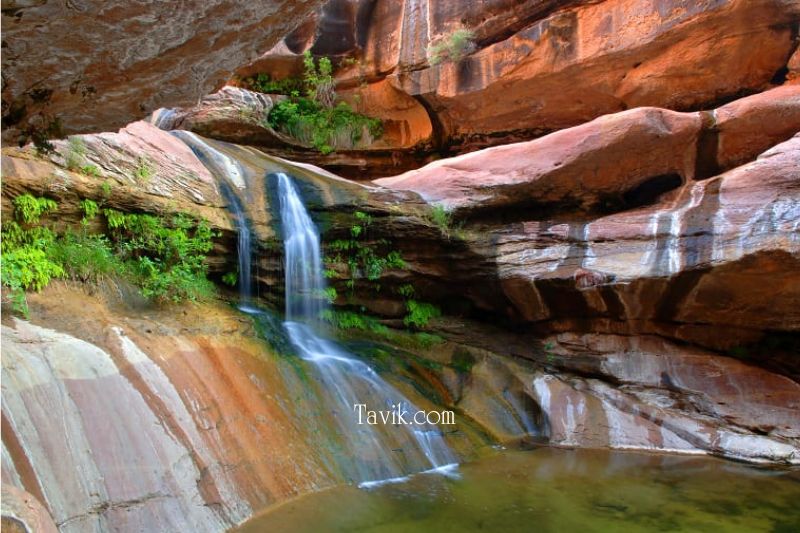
<point x="526" y="69"/>
<point x="622" y="272"/>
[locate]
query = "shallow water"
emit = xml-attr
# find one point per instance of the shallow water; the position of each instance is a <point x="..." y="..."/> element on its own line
<point x="556" y="490"/>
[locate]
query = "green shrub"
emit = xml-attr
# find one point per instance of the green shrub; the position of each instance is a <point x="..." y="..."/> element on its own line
<point x="406" y="291"/>
<point x="86" y="257"/>
<point x="89" y="208"/>
<point x="263" y="83"/>
<point x="363" y="259"/>
<point x="91" y="170"/>
<point x="420" y="313"/>
<point x="26" y="264"/>
<point x="76" y="153"/>
<point x="351" y="320"/>
<point x="144" y="170"/>
<point x="230" y="279"/>
<point x="316" y="118"/>
<point x="454" y="47"/>
<point x="28" y="209"/>
<point x="330" y="294"/>
<point x="320" y="85"/>
<point x="327" y="129"/>
<point x="443" y="219"/>
<point x="441" y="216"/>
<point x="164" y="257"/>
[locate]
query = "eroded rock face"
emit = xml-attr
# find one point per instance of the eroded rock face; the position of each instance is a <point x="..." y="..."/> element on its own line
<point x="98" y="66"/>
<point x="22" y="512"/>
<point x="603" y="155"/>
<point x="153" y="419"/>
<point x="600" y="165"/>
<point x="722" y="252"/>
<point x="539" y="66"/>
<point x="146" y="435"/>
<point x="138" y="169"/>
<point x="643" y="393"/>
<point x="603" y="57"/>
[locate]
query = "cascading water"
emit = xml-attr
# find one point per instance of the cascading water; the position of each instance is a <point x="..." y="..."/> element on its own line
<point x="233" y="175"/>
<point x="243" y="246"/>
<point x="374" y="453"/>
<point x="381" y="455"/>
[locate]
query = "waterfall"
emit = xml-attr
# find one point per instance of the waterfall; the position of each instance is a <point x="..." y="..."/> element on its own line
<point x="233" y="175"/>
<point x="382" y="453"/>
<point x="243" y="246"/>
<point x="374" y="454"/>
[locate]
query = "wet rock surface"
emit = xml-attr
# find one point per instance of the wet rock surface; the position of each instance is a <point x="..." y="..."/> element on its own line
<point x="155" y="419"/>
<point x="627" y="281"/>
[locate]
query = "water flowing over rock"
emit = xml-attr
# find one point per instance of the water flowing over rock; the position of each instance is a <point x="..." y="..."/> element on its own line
<point x="143" y="56"/>
<point x="351" y="381"/>
<point x="625" y="277"/>
<point x="142" y="423"/>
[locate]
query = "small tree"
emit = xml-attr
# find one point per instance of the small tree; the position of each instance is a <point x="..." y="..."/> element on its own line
<point x="453" y="46"/>
<point x="319" y="80"/>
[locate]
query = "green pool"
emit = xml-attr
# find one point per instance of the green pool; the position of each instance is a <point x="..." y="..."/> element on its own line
<point x="548" y="489"/>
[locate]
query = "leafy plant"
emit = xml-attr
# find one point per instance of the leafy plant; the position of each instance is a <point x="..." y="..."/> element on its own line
<point x="406" y="291"/>
<point x="443" y="219"/>
<point x="420" y="313"/>
<point x="164" y="257"/>
<point x="454" y="46"/>
<point x="330" y="294"/>
<point x="76" y="153"/>
<point x="316" y="118"/>
<point x="106" y="188"/>
<point x="85" y="257"/>
<point x="326" y="129"/>
<point x="28" y="209"/>
<point x="263" y="83"/>
<point x="25" y="246"/>
<point x="320" y="86"/>
<point x="362" y="258"/>
<point x="90" y="209"/>
<point x="144" y="170"/>
<point x="91" y="170"/>
<point x="352" y="320"/>
<point x="230" y="279"/>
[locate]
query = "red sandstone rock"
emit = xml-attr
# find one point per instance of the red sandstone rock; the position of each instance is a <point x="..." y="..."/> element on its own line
<point x="578" y="166"/>
<point x="139" y="168"/>
<point x="752" y="125"/>
<point x="665" y="397"/>
<point x="22" y="512"/>
<point x="558" y="69"/>
<point x="717" y="253"/>
<point x="793" y="74"/>
<point x="99" y="66"/>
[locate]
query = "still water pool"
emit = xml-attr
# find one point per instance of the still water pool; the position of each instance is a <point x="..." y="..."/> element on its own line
<point x="552" y="490"/>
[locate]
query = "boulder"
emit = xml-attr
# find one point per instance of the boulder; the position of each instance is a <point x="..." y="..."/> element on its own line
<point x="752" y="125"/>
<point x="583" y="166"/>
